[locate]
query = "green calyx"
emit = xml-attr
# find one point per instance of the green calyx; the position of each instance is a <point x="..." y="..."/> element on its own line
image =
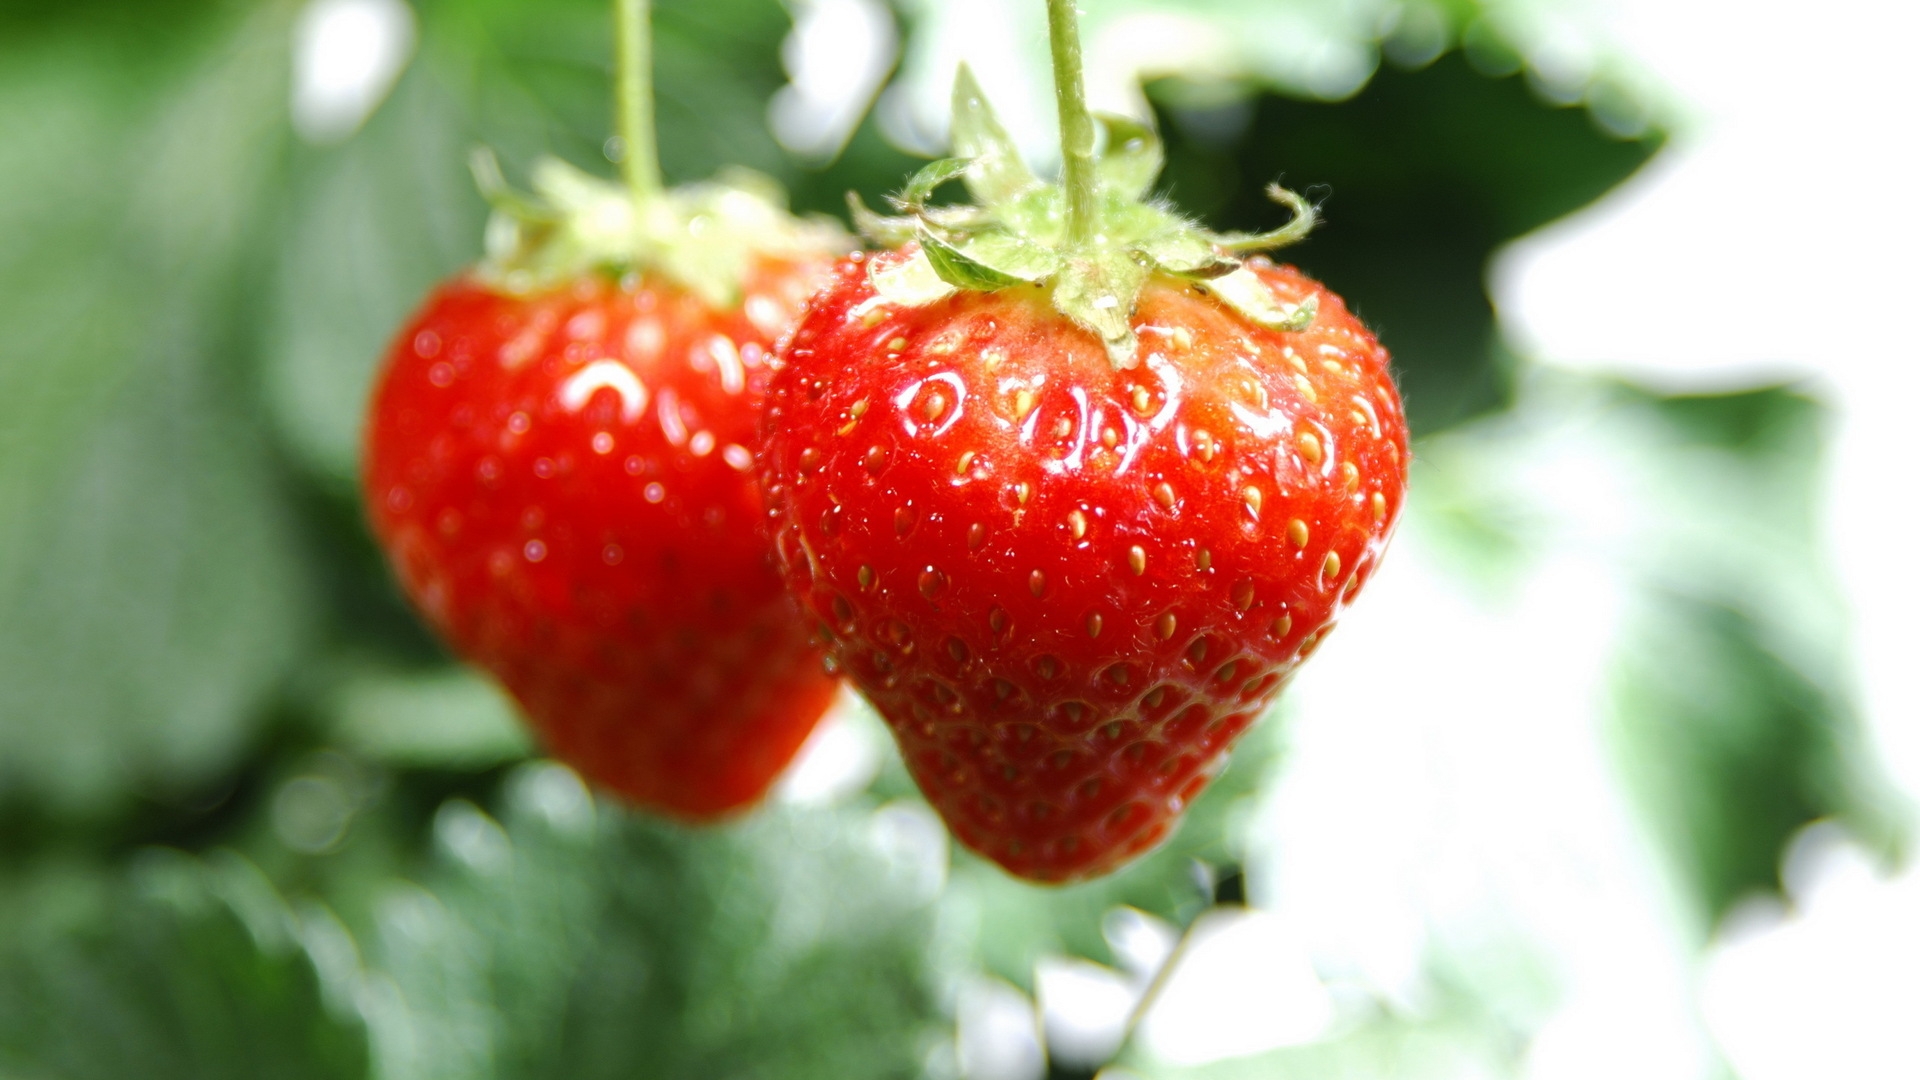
<point x="1017" y="232"/>
<point x="703" y="237"/>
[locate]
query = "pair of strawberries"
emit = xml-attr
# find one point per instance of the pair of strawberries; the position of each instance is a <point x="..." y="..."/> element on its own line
<point x="1065" y="485"/>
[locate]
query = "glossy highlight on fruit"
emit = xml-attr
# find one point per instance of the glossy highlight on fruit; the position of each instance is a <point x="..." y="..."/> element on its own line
<point x="563" y="482"/>
<point x="1069" y="588"/>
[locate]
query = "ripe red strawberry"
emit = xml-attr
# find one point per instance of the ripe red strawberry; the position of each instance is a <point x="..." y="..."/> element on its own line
<point x="563" y="482"/>
<point x="559" y="465"/>
<point x="1072" y="490"/>
<point x="1069" y="588"/>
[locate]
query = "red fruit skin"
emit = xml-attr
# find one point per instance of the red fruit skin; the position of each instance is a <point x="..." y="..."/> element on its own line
<point x="1069" y="589"/>
<point x="563" y="484"/>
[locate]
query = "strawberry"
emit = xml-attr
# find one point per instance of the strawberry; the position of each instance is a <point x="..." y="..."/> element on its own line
<point x="559" y="466"/>
<point x="1071" y="537"/>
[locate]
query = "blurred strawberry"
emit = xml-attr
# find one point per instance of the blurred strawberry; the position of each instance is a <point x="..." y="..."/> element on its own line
<point x="559" y="465"/>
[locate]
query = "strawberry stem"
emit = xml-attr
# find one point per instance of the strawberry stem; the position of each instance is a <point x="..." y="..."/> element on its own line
<point x="1076" y="123"/>
<point x="633" y="99"/>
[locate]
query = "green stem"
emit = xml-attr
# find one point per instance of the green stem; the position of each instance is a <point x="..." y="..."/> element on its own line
<point x="1076" y="123"/>
<point x="1151" y="995"/>
<point x="633" y="77"/>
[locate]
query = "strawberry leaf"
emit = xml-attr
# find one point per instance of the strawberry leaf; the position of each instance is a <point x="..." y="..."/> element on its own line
<point x="179" y="968"/>
<point x="1013" y="255"/>
<point x="1243" y="291"/>
<point x="154" y="577"/>
<point x="1133" y="157"/>
<point x="876" y="227"/>
<point x="437" y="718"/>
<point x="1187" y="254"/>
<point x="561" y="937"/>
<point x="996" y="173"/>
<point x="960" y="269"/>
<point x="912" y="283"/>
<point x="920" y="188"/>
<point x="1295" y="230"/>
<point x="959" y="217"/>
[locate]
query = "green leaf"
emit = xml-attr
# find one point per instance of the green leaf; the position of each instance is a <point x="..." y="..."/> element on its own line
<point x="569" y="939"/>
<point x="1733" y="717"/>
<point x="876" y="228"/>
<point x="911" y="283"/>
<point x="197" y="972"/>
<point x="1243" y="291"/>
<point x="151" y="571"/>
<point x="714" y="231"/>
<point x="921" y="186"/>
<point x="1132" y="159"/>
<point x="1727" y="708"/>
<point x="996" y="173"/>
<point x="959" y="218"/>
<point x="959" y="268"/>
<point x="1013" y="255"/>
<point x="1304" y="218"/>
<point x="369" y="226"/>
<point x="448" y="717"/>
<point x="1188" y="254"/>
<point x="1430" y="172"/>
<point x="533" y="80"/>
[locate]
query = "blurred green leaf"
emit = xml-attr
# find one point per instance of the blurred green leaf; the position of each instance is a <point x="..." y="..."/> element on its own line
<point x="1732" y="726"/>
<point x="1730" y="749"/>
<point x="151" y="577"/>
<point x="1421" y="175"/>
<point x="449" y="717"/>
<point x="196" y="971"/>
<point x="1735" y="729"/>
<point x="576" y="940"/>
<point x="546" y="71"/>
<point x="369" y="227"/>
